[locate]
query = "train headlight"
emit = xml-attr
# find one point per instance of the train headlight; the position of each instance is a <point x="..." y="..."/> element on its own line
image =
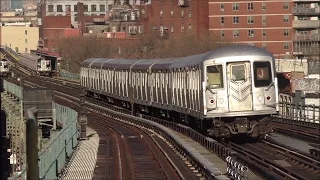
<point x="268" y="98"/>
<point x="260" y="98"/>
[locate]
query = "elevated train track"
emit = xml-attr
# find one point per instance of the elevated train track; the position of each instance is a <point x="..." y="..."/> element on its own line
<point x="74" y="90"/>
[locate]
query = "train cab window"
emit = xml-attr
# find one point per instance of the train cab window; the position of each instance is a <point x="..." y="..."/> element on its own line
<point x="262" y="74"/>
<point x="238" y="72"/>
<point x="215" y="76"/>
<point x="0" y="63"/>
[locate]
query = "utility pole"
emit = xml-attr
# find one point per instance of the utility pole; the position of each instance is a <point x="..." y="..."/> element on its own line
<point x="32" y="144"/>
<point x="82" y="116"/>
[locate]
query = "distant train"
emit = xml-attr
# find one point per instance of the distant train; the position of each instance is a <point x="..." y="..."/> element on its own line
<point x="4" y="68"/>
<point x="36" y="64"/>
<point x="227" y="92"/>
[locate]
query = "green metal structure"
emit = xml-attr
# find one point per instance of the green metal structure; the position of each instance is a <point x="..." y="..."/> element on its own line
<point x="52" y="153"/>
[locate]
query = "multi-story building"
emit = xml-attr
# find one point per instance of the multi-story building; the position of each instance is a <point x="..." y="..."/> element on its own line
<point x="20" y="37"/>
<point x="63" y="8"/>
<point x="175" y="17"/>
<point x="266" y="24"/>
<point x="306" y="24"/>
<point x="5" y="5"/>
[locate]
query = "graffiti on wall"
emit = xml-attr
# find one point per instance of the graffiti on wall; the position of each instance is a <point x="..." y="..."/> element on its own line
<point x="309" y="85"/>
<point x="313" y="66"/>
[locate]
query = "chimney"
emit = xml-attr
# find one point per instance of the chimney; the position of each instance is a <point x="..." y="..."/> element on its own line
<point x="68" y="9"/>
<point x="81" y="20"/>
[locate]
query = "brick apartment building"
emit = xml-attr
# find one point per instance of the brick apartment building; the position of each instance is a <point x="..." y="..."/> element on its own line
<point x="266" y="24"/>
<point x="176" y="17"/>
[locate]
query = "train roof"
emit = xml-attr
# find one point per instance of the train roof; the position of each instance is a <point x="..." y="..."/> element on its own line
<point x="172" y="63"/>
<point x="238" y="50"/>
<point x="29" y="56"/>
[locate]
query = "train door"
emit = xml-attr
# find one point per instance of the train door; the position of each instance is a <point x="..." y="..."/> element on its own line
<point x="239" y="86"/>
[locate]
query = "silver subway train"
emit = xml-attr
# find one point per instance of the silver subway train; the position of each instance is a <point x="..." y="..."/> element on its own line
<point x="226" y="92"/>
<point x="4" y="68"/>
<point x="36" y="64"/>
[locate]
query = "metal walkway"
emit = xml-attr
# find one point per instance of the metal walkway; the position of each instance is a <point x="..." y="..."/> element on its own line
<point x="83" y="160"/>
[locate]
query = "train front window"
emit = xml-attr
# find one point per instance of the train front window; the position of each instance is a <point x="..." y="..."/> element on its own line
<point x="238" y="72"/>
<point x="214" y="77"/>
<point x="262" y="74"/>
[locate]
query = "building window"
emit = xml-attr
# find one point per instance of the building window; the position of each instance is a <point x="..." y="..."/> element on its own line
<point x="26" y="40"/>
<point x="75" y="8"/>
<point x="59" y="8"/>
<point x="26" y="32"/>
<point x="182" y="28"/>
<point x="222" y="20"/>
<point x="172" y="29"/>
<point x="264" y="20"/>
<point x="161" y="13"/>
<point x="285" y="5"/>
<point x="142" y="11"/>
<point x="250" y="19"/>
<point x="93" y="8"/>
<point x="189" y="27"/>
<point x="182" y="13"/>
<point x="222" y="33"/>
<point x="301" y="33"/>
<point x="250" y="33"/>
<point x="50" y="8"/>
<point x="171" y="13"/>
<point x="263" y="6"/>
<point x="235" y="20"/>
<point x="102" y="8"/>
<point x="264" y="46"/>
<point x="221" y="7"/>
<point x="286" y="19"/>
<point x="26" y="50"/>
<point x="264" y="33"/>
<point x="286" y="32"/>
<point x="250" y="6"/>
<point x="190" y="15"/>
<point x="140" y="29"/>
<point x="302" y="18"/>
<point x="235" y="33"/>
<point x="68" y="8"/>
<point x="286" y="46"/>
<point x="85" y="7"/>
<point x="235" y="6"/>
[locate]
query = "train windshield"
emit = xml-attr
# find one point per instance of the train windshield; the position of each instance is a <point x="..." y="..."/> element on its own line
<point x="215" y="76"/>
<point x="262" y="74"/>
<point x="238" y="72"/>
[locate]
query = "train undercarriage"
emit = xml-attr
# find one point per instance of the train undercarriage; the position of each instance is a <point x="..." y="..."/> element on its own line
<point x="252" y="126"/>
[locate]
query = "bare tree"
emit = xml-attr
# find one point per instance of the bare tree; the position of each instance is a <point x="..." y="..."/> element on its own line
<point x="76" y="50"/>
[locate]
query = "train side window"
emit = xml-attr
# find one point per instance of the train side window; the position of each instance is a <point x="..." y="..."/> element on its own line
<point x="262" y="74"/>
<point x="215" y="76"/>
